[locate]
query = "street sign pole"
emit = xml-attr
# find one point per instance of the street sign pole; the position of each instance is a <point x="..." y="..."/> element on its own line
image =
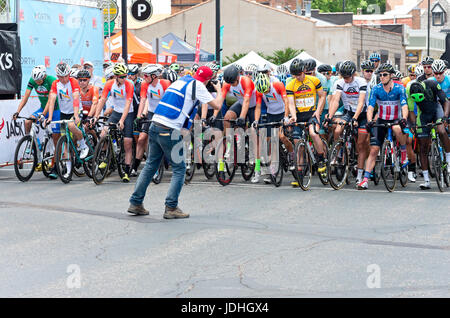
<point x="218" y="48"/>
<point x="124" y="32"/>
<point x="109" y="31"/>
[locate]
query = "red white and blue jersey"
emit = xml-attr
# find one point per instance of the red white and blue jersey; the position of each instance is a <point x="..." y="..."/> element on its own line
<point x="389" y="103"/>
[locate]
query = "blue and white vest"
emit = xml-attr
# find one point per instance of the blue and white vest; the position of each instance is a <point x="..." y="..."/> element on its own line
<point x="171" y="104"/>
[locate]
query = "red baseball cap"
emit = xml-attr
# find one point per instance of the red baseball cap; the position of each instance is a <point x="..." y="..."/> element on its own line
<point x="203" y="74"/>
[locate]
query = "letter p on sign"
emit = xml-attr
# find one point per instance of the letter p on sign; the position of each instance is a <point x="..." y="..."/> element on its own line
<point x="142" y="10"/>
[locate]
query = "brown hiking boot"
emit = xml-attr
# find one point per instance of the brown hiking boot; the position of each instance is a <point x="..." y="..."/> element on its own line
<point x="174" y="213"/>
<point x="137" y="210"/>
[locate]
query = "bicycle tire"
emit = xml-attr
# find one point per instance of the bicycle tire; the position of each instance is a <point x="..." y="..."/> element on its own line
<point x="102" y="153"/>
<point x="230" y="167"/>
<point x="18" y="162"/>
<point x="387" y="167"/>
<point x="87" y="164"/>
<point x="247" y="169"/>
<point x="61" y="166"/>
<point x="157" y="178"/>
<point x="303" y="175"/>
<point x="120" y="158"/>
<point x="324" y="177"/>
<point x="338" y="173"/>
<point x="437" y="165"/>
<point x="48" y="157"/>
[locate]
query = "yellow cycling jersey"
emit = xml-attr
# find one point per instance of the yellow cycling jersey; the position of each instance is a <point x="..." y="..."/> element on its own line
<point x="305" y="93"/>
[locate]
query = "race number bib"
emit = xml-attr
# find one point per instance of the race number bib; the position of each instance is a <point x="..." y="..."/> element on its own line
<point x="305" y="104"/>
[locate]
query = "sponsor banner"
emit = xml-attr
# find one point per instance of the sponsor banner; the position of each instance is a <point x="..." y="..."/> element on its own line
<point x="197" y="46"/>
<point x="10" y="68"/>
<point x="10" y="132"/>
<point x="54" y="32"/>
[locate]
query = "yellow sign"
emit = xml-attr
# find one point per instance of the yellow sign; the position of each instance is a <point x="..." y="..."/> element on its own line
<point x="110" y="10"/>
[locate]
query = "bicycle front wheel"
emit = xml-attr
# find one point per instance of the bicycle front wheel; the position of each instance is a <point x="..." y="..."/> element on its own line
<point x="437" y="165"/>
<point x="25" y="158"/>
<point x="388" y="172"/>
<point x="303" y="166"/>
<point x="64" y="159"/>
<point x="338" y="165"/>
<point x="48" y="157"/>
<point x="101" y="160"/>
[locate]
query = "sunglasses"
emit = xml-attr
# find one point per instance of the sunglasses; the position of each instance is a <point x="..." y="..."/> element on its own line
<point x="326" y="73"/>
<point x="374" y="60"/>
<point x="384" y="74"/>
<point x="426" y="66"/>
<point x="83" y="80"/>
<point x="122" y="77"/>
<point x="309" y="73"/>
<point x="418" y="97"/>
<point x="368" y="71"/>
<point x="438" y="73"/>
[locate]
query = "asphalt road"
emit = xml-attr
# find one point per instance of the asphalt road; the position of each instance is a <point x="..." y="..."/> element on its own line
<point x="243" y="240"/>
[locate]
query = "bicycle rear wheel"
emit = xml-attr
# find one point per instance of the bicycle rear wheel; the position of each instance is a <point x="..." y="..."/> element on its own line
<point x="388" y="172"/>
<point x="225" y="169"/>
<point x="48" y="157"/>
<point x="303" y="166"/>
<point x="437" y="165"/>
<point x="338" y="165"/>
<point x="277" y="168"/>
<point x="25" y="159"/>
<point x="64" y="155"/>
<point x="102" y="160"/>
<point x="190" y="161"/>
<point x="324" y="176"/>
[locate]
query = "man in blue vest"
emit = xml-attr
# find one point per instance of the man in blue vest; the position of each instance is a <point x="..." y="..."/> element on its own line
<point x="175" y="111"/>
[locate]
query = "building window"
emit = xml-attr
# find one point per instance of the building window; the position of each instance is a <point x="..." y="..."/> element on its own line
<point x="438" y="16"/>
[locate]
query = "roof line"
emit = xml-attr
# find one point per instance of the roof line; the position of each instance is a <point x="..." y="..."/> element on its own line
<point x="279" y="10"/>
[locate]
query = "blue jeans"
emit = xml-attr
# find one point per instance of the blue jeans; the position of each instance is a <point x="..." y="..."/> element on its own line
<point x="161" y="144"/>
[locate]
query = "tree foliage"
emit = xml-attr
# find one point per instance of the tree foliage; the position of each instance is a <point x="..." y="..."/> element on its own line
<point x="368" y="6"/>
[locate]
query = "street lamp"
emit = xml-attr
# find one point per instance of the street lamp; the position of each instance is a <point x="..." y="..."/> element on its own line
<point x="428" y="36"/>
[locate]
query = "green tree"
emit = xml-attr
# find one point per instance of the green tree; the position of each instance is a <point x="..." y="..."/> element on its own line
<point x="233" y="58"/>
<point x="282" y="56"/>
<point x="368" y="6"/>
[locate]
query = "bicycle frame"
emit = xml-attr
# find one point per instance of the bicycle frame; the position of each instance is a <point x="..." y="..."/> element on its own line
<point x="68" y="135"/>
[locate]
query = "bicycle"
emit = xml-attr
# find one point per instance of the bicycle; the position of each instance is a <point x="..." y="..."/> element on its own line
<point x="29" y="151"/>
<point x="66" y="151"/>
<point x="438" y="159"/>
<point x="342" y="157"/>
<point x="229" y="165"/>
<point x="305" y="158"/>
<point x="109" y="154"/>
<point x="391" y="169"/>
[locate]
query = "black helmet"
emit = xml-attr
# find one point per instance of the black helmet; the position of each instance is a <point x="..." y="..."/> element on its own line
<point x="347" y="68"/>
<point x="231" y="74"/>
<point x="386" y="68"/>
<point x="83" y="74"/>
<point x="297" y="66"/>
<point x="427" y="60"/>
<point x="310" y="65"/>
<point x="324" y="68"/>
<point x="338" y="64"/>
<point x="367" y="65"/>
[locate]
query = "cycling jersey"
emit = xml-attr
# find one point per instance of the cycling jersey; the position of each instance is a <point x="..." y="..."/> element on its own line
<point x="304" y="93"/>
<point x="350" y="92"/>
<point x="245" y="88"/>
<point x="43" y="90"/>
<point x="119" y="94"/>
<point x="64" y="93"/>
<point x="89" y="98"/>
<point x="273" y="98"/>
<point x="405" y="81"/>
<point x="389" y="104"/>
<point x="445" y="85"/>
<point x="154" y="93"/>
<point x="433" y="93"/>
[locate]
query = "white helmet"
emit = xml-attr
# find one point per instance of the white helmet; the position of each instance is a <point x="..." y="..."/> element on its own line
<point x="38" y="73"/>
<point x="74" y="72"/>
<point x="62" y="69"/>
<point x="152" y="69"/>
<point x="419" y="70"/>
<point x="447" y="72"/>
<point x="109" y="72"/>
<point x="251" y="68"/>
<point x="438" y="66"/>
<point x="282" y="69"/>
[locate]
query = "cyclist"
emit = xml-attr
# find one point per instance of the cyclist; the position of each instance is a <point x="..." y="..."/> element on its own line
<point x="122" y="97"/>
<point x="275" y="97"/>
<point x="303" y="92"/>
<point x="88" y="93"/>
<point x="439" y="67"/>
<point x="426" y="95"/>
<point x="376" y="59"/>
<point x="133" y="76"/>
<point x="41" y="83"/>
<point x="176" y="67"/>
<point x="427" y="61"/>
<point x="169" y="75"/>
<point x="283" y="73"/>
<point x="391" y="100"/>
<point x="326" y="70"/>
<point x="397" y="77"/>
<point x="152" y="90"/>
<point x="411" y="75"/>
<point x="352" y="90"/>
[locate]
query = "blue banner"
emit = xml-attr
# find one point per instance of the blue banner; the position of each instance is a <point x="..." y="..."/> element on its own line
<point x="54" y="32"/>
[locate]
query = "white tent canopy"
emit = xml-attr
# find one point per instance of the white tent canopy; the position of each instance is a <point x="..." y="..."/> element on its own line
<point x="252" y="58"/>
<point x="303" y="56"/>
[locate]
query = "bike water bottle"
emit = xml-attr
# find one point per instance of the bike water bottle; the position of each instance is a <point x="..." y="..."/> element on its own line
<point x="114" y="145"/>
<point x="39" y="144"/>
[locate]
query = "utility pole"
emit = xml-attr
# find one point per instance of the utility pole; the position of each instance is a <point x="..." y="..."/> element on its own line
<point x="428" y="36"/>
<point x="218" y="31"/>
<point x="124" y="32"/>
<point x="343" y="5"/>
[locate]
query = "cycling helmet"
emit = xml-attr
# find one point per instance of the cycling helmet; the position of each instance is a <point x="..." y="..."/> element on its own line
<point x="338" y="64"/>
<point x="239" y="67"/>
<point x="120" y="69"/>
<point x="152" y="69"/>
<point x="367" y="65"/>
<point x="386" y="68"/>
<point x="297" y="66"/>
<point x="427" y="60"/>
<point x="310" y="65"/>
<point x="62" y="69"/>
<point x="181" y="68"/>
<point x="74" y="72"/>
<point x="282" y="69"/>
<point x="133" y="69"/>
<point x="251" y="69"/>
<point x="447" y="65"/>
<point x="447" y="72"/>
<point x="265" y="68"/>
<point x="419" y="71"/>
<point x="194" y="68"/>
<point x="438" y="66"/>
<point x="83" y="74"/>
<point x="347" y="68"/>
<point x="172" y="76"/>
<point x="231" y="74"/>
<point x="412" y="68"/>
<point x="38" y="73"/>
<point x="175" y="67"/>
<point x="282" y="78"/>
<point x="375" y="56"/>
<point x="417" y="91"/>
<point x="324" y="68"/>
<point x="397" y="75"/>
<point x="262" y="83"/>
<point x="109" y="72"/>
<point x="213" y="66"/>
<point x="107" y="64"/>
